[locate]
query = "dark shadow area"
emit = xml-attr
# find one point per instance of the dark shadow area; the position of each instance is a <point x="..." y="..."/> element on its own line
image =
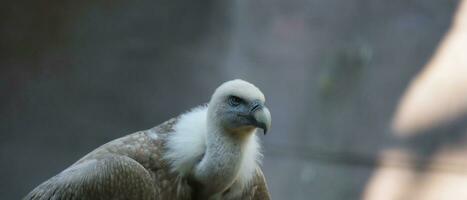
<point x="75" y="75"/>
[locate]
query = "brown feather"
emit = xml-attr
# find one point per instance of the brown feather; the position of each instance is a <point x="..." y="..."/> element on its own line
<point x="131" y="167"/>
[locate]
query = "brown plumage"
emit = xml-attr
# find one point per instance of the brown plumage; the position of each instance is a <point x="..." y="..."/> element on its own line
<point x="136" y="167"/>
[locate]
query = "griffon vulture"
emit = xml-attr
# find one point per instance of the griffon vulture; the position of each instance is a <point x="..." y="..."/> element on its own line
<point x="210" y="152"/>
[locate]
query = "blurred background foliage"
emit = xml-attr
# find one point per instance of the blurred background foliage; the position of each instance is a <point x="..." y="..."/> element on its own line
<point x="76" y="74"/>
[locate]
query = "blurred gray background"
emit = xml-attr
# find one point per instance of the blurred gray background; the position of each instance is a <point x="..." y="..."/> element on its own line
<point x="76" y="74"/>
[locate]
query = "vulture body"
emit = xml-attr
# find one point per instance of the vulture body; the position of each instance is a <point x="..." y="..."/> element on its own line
<point x="210" y="152"/>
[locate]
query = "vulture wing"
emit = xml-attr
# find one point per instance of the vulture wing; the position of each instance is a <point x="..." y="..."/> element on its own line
<point x="126" y="168"/>
<point x="106" y="177"/>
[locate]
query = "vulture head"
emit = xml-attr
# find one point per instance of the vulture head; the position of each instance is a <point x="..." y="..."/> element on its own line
<point x="238" y="108"/>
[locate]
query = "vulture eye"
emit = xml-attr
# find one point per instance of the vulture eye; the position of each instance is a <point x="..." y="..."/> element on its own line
<point x="234" y="101"/>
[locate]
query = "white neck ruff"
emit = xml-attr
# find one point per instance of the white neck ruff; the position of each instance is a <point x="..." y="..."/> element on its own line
<point x="187" y="144"/>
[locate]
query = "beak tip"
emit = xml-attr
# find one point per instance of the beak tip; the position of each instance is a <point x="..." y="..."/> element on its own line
<point x="265" y="128"/>
<point x="262" y="118"/>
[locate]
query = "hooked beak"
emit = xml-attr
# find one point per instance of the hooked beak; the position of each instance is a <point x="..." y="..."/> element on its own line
<point x="261" y="116"/>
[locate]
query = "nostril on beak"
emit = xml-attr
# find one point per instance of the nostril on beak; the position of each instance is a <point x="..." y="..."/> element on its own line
<point x="256" y="106"/>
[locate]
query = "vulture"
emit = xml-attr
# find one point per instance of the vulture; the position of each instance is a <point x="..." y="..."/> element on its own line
<point x="209" y="152"/>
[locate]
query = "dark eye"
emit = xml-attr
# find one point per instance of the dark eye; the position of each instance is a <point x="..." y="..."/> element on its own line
<point x="234" y="101"/>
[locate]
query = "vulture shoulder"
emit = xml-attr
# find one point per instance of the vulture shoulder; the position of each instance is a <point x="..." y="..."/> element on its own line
<point x="260" y="186"/>
<point x="126" y="168"/>
<point x="256" y="190"/>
